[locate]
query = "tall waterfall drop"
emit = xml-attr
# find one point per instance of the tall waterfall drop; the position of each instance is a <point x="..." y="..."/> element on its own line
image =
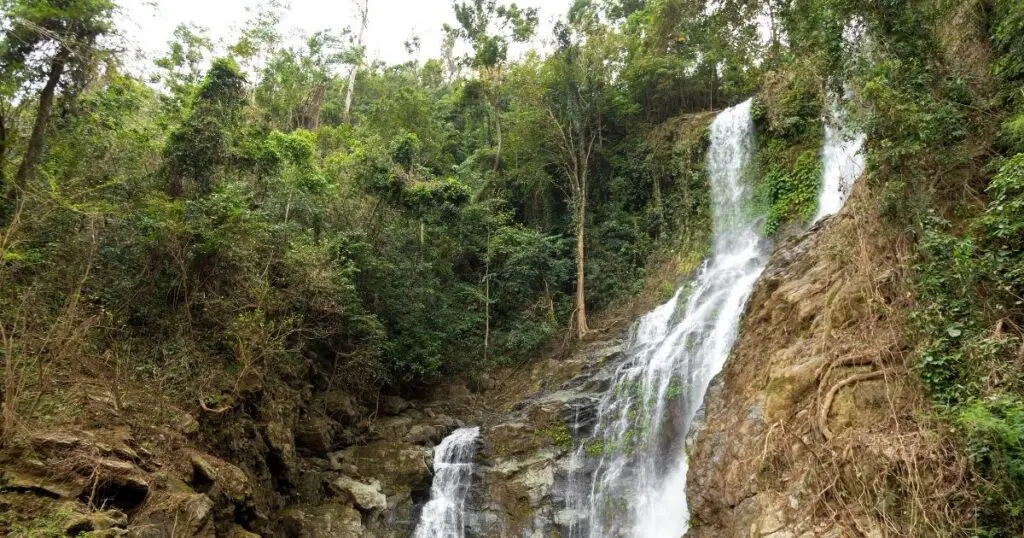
<point x="443" y="516"/>
<point x="638" y="487"/>
<point x="843" y="160"/>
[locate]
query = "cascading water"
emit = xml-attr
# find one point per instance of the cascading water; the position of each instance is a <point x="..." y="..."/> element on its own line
<point x="443" y="516"/>
<point x="843" y="161"/>
<point x="638" y="484"/>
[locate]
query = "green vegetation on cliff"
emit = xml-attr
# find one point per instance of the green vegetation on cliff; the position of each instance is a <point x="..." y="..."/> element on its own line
<point x="243" y="226"/>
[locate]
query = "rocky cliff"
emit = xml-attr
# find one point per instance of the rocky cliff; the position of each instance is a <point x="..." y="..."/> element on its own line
<point x="814" y="427"/>
<point x="345" y="472"/>
<point x="348" y="471"/>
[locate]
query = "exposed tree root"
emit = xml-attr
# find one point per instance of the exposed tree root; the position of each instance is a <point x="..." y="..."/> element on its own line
<point x="846" y="362"/>
<point x="220" y="410"/>
<point x="826" y="405"/>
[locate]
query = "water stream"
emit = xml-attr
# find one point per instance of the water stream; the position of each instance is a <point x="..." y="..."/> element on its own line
<point x="638" y="486"/>
<point x="628" y="477"/>
<point x="843" y="160"/>
<point x="444" y="515"/>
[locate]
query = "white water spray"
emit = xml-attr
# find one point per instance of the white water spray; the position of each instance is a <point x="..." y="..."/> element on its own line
<point x="444" y="515"/>
<point x="843" y="160"/>
<point x="639" y="485"/>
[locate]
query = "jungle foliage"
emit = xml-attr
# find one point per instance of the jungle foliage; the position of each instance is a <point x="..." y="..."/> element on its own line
<point x="224" y="227"/>
<point x="218" y="224"/>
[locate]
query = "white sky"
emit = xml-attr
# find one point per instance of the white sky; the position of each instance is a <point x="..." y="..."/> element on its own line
<point x="150" y="23"/>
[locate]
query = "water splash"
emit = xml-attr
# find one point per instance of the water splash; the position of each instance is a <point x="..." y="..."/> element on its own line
<point x="843" y="161"/>
<point x="444" y="515"/>
<point x="639" y="479"/>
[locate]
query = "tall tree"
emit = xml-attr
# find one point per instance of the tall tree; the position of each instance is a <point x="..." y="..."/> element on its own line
<point x="490" y="28"/>
<point x="199" y="147"/>
<point x="180" y="70"/>
<point x="46" y="41"/>
<point x="295" y="83"/>
<point x="358" y="52"/>
<point x="581" y="74"/>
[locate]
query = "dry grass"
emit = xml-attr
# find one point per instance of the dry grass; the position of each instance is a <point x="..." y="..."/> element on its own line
<point x="888" y="470"/>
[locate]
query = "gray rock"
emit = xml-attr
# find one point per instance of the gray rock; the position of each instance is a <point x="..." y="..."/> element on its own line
<point x="422" y="434"/>
<point x="368" y="497"/>
<point x="393" y="405"/>
<point x="282" y="441"/>
<point x="327" y="521"/>
<point x="96" y="521"/>
<point x="342" y="408"/>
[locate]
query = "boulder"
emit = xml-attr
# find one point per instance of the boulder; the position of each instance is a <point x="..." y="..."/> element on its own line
<point x="282" y="445"/>
<point x="179" y="514"/>
<point x="314" y="436"/>
<point x="367" y="497"/>
<point x="217" y="477"/>
<point x="400" y="467"/>
<point x="95" y="522"/>
<point x="342" y="408"/>
<point x="393" y="405"/>
<point x="327" y="521"/>
<point x="423" y="434"/>
<point x="197" y="511"/>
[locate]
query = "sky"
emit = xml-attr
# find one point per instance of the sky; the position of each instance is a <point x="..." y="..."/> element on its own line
<point x="148" y="24"/>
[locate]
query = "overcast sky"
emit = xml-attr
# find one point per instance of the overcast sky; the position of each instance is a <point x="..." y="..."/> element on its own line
<point x="150" y="23"/>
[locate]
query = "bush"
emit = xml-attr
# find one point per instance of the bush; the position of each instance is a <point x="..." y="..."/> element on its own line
<point x="994" y="430"/>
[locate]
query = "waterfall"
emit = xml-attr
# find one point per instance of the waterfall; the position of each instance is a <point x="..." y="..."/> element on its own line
<point x="443" y="516"/>
<point x="843" y="161"/>
<point x="638" y="481"/>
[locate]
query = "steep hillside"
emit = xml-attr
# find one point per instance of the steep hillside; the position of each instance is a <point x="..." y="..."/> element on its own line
<point x="817" y="426"/>
<point x="250" y="290"/>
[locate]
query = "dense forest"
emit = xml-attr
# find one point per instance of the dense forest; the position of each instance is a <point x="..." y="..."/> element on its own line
<point x="269" y="219"/>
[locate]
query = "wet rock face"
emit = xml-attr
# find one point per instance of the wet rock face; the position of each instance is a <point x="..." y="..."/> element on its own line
<point x="727" y="439"/>
<point x="525" y="458"/>
<point x="756" y="446"/>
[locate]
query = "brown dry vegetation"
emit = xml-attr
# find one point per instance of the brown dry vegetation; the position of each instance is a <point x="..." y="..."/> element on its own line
<point x="845" y="431"/>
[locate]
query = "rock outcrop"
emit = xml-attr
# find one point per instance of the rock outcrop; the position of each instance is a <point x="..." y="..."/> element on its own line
<point x="525" y="461"/>
<point x="303" y="478"/>
<point x="795" y="435"/>
<point x="812" y="429"/>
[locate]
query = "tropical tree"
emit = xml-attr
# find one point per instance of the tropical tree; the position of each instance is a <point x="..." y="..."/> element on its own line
<point x="490" y="28"/>
<point x="580" y="83"/>
<point x="48" y="42"/>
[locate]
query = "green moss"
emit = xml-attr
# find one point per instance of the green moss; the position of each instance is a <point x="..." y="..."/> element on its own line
<point x="50" y="526"/>
<point x="675" y="389"/>
<point x="596" y="448"/>
<point x="560" y="435"/>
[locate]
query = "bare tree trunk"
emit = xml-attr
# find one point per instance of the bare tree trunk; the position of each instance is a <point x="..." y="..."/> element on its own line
<point x="497" y="125"/>
<point x="364" y="13"/>
<point x="310" y="113"/>
<point x="582" y="328"/>
<point x="487" y="298"/>
<point x="575" y="152"/>
<point x="3" y="149"/>
<point x="37" y="139"/>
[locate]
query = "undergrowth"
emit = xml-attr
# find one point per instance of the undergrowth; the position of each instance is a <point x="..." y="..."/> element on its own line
<point x="955" y="182"/>
<point x="972" y="352"/>
<point x="788" y="114"/>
